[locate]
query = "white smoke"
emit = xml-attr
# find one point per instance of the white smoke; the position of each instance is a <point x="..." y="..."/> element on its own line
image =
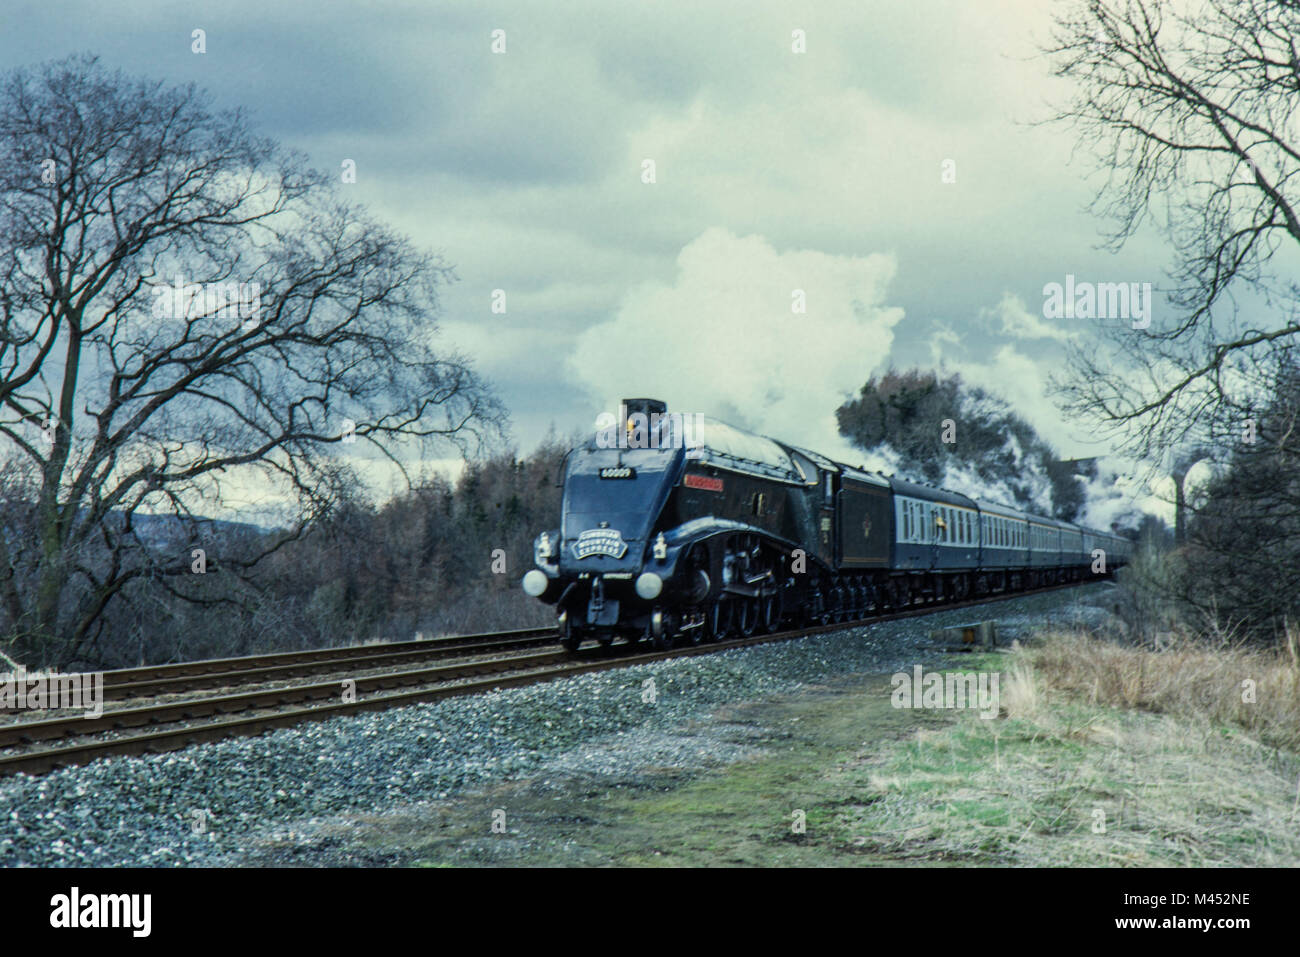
<point x="725" y="338"/>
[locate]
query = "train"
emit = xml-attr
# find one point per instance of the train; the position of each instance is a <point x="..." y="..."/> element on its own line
<point x="678" y="528"/>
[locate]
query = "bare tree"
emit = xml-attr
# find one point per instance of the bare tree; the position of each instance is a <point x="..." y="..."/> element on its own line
<point x="188" y="316"/>
<point x="1241" y="565"/>
<point x="1191" y="111"/>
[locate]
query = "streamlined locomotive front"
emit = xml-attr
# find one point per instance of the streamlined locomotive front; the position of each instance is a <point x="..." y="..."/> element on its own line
<point x="606" y="563"/>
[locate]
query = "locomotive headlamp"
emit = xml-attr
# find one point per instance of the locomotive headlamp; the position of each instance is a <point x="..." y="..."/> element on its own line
<point x="648" y="585"/>
<point x="661" y="547"/>
<point x="535" y="583"/>
<point x="542" y="549"/>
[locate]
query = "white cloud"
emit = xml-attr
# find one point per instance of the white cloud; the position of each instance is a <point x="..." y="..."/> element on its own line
<point x="1020" y="323"/>
<point x="722" y="338"/>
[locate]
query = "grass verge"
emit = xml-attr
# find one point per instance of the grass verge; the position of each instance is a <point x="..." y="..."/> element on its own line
<point x="1101" y="756"/>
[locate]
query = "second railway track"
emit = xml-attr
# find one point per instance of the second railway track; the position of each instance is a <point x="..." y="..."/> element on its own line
<point x="28" y="743"/>
<point x="251" y="669"/>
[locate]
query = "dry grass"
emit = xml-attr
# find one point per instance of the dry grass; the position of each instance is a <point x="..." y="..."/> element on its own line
<point x="1106" y="755"/>
<point x="1257" y="690"/>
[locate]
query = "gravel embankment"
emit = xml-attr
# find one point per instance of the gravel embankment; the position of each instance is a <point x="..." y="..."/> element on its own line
<point x="143" y="811"/>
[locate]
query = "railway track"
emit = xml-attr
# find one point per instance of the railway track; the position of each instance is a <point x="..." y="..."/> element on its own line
<point x="250" y="669"/>
<point x="38" y="746"/>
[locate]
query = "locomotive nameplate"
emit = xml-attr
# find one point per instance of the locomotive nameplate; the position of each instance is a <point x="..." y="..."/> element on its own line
<point x="691" y="480"/>
<point x="600" y="541"/>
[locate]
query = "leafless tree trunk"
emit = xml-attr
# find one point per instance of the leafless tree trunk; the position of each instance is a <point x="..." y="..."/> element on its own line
<point x="188" y="316"/>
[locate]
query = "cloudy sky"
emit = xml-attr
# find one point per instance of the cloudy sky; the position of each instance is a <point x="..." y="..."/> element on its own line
<point x="773" y="171"/>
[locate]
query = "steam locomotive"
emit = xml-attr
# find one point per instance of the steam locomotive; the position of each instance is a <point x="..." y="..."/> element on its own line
<point x="683" y="528"/>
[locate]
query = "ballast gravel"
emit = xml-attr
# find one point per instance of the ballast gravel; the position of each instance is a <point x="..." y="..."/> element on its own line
<point x="208" y="804"/>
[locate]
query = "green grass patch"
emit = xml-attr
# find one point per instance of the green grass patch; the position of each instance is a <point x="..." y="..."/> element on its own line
<point x="1053" y="781"/>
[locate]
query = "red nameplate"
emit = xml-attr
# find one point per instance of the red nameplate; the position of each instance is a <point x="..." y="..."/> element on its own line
<point x="704" y="482"/>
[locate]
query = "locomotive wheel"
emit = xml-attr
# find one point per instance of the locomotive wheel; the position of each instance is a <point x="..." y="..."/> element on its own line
<point x="821" y="609"/>
<point x="570" y="637"/>
<point x="842" y="612"/>
<point x="769" y="613"/>
<point x="746" y="616"/>
<point x="664" y="641"/>
<point x="717" y="621"/>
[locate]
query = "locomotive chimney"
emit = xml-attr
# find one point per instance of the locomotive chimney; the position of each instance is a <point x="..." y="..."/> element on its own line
<point x="646" y="407"/>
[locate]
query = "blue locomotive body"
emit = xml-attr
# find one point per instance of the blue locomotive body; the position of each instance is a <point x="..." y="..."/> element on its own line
<point x="672" y="532"/>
